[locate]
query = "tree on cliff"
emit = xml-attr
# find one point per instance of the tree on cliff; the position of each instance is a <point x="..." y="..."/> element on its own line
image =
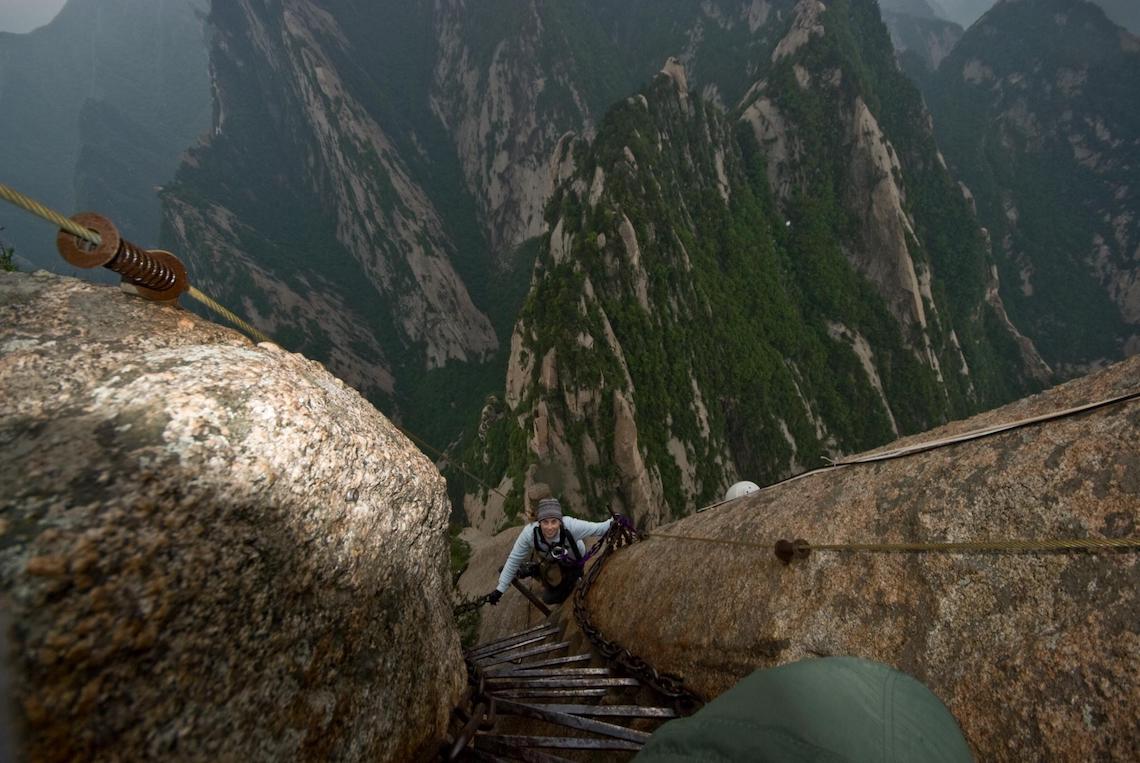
<point x="7" y="254"/>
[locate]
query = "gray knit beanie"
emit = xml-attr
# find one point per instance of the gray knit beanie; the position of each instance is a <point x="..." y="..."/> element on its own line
<point x="549" y="508"/>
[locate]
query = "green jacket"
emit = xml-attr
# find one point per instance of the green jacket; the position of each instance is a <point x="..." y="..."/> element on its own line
<point x="830" y="709"/>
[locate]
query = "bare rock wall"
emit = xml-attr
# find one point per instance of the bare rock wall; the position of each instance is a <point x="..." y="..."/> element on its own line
<point x="1034" y="653"/>
<point x="209" y="550"/>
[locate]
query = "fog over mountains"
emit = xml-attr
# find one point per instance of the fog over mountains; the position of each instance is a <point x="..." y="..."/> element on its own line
<point x="1125" y="13"/>
<point x="98" y="108"/>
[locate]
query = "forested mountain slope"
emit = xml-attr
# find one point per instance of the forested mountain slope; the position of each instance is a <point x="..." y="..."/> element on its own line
<point x="744" y="292"/>
<point x="1036" y="112"/>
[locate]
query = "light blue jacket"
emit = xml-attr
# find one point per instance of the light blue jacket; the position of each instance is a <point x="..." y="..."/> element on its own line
<point x="578" y="528"/>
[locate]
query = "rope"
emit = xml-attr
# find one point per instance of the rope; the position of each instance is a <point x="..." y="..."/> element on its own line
<point x="1073" y="544"/>
<point x="13" y="196"/>
<point x="230" y="316"/>
<point x="922" y="447"/>
<point x="987" y="431"/>
<point x="457" y="465"/>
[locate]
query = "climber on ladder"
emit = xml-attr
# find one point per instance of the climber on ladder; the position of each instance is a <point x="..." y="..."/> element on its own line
<point x="558" y="543"/>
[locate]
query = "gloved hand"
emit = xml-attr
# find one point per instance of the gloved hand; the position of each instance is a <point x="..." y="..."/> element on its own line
<point x="624" y="521"/>
<point x="494" y="596"/>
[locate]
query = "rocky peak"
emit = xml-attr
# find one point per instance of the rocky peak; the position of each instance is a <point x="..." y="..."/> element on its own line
<point x="806" y="24"/>
<point x="209" y="549"/>
<point x="636" y="384"/>
<point x="314" y="214"/>
<point x="506" y="100"/>
<point x="920" y="36"/>
<point x="1027" y="113"/>
<point x="1031" y="652"/>
<point x="675" y="70"/>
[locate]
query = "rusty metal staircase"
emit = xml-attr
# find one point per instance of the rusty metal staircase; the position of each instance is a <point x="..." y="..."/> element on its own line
<point x="519" y="684"/>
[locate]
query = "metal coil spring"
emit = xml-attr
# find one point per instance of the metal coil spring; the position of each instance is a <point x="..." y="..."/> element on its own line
<point x="133" y="264"/>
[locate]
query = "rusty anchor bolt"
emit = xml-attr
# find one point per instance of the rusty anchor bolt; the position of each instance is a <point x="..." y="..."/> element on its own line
<point x="155" y="274"/>
<point x="787" y="550"/>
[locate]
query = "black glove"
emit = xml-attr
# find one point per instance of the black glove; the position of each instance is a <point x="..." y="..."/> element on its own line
<point x="528" y="571"/>
<point x="494" y="596"/>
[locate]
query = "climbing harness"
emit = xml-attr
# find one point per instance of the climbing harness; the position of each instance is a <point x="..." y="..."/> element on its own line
<point x="560" y="563"/>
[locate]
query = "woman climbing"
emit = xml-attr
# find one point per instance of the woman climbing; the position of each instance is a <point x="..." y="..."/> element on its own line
<point x="558" y="544"/>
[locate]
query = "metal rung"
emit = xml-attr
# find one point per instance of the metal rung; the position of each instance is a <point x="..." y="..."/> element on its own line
<point x="537" y="693"/>
<point x="523" y="754"/>
<point x="549" y="672"/>
<point x="625" y="711"/>
<point x="519" y="682"/>
<point x="505" y="667"/>
<point x="561" y="743"/>
<point x="498" y="646"/>
<point x="508" y="657"/>
<point x="474" y="753"/>
<point x="515" y="645"/>
<point x="542" y="713"/>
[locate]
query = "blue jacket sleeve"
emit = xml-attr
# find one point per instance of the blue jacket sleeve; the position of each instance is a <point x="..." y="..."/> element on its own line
<point x="581" y="529"/>
<point x="523" y="546"/>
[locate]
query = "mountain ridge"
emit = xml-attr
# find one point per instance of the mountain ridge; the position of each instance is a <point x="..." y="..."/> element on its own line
<point x="625" y="389"/>
<point x="1040" y="131"/>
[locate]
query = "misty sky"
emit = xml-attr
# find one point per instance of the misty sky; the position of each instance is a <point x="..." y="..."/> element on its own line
<point x="26" y="15"/>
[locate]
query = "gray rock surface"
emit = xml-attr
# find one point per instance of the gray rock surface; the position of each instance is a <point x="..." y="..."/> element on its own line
<point x="1035" y="654"/>
<point x="209" y="550"/>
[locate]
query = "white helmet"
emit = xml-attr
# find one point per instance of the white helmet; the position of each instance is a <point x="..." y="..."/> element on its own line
<point x="741" y="489"/>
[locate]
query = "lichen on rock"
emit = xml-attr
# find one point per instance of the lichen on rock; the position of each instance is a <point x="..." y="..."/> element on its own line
<point x="1034" y="653"/>
<point x="209" y="549"/>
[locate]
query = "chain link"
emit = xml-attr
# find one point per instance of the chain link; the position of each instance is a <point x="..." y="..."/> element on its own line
<point x="470" y="605"/>
<point x="619" y="536"/>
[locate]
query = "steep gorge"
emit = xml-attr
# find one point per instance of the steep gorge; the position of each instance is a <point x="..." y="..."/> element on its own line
<point x="763" y="264"/>
<point x="743" y="293"/>
<point x="1035" y="112"/>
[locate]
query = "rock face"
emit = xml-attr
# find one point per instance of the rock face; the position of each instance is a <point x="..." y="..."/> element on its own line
<point x="1026" y="112"/>
<point x="928" y="38"/>
<point x="209" y="550"/>
<point x="513" y="613"/>
<point x="1035" y="654"/>
<point x="306" y="206"/>
<point x="505" y="102"/>
<point x="720" y="290"/>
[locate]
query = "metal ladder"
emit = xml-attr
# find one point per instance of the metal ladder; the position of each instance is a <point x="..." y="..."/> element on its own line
<point x="521" y="676"/>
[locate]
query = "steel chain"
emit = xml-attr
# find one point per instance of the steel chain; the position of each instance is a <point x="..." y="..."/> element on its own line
<point x="666" y="684"/>
<point x="470" y="606"/>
